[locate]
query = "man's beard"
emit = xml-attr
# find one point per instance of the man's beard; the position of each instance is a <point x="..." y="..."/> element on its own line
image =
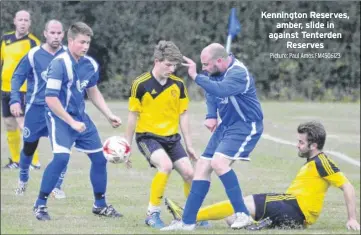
<point x="306" y="154"/>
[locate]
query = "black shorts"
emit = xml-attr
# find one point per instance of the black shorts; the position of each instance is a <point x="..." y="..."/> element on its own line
<point x="5" y="106"/>
<point x="148" y="143"/>
<point x="282" y="209"/>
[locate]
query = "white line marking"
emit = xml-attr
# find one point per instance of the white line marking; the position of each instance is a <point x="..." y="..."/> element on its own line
<point x="336" y="154"/>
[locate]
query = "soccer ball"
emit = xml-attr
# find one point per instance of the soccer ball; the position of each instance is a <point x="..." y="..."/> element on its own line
<point x="116" y="149"/>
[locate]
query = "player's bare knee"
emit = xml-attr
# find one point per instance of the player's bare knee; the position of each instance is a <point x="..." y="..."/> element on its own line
<point x="203" y="170"/>
<point x="166" y="167"/>
<point x="10" y="124"/>
<point x="188" y="175"/>
<point x="218" y="166"/>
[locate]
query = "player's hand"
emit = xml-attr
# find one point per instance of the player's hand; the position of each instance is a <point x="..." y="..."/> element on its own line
<point x="353" y="225"/>
<point x="192" y="67"/>
<point x="15" y="109"/>
<point x="192" y="154"/>
<point x="211" y="123"/>
<point x="115" y="121"/>
<point x="78" y="126"/>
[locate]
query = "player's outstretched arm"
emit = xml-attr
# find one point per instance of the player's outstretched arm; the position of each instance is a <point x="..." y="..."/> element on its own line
<point x="350" y="200"/>
<point x="98" y="100"/>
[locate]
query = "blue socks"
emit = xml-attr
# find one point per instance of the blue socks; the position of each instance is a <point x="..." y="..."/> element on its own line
<point x="98" y="177"/>
<point x="25" y="162"/>
<point x="195" y="199"/>
<point x="57" y="167"/>
<point x="51" y="176"/>
<point x="233" y="190"/>
<point x="61" y="178"/>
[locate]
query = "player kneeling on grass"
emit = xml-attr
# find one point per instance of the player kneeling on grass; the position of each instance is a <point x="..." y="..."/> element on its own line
<point x="69" y="75"/>
<point x="302" y="202"/>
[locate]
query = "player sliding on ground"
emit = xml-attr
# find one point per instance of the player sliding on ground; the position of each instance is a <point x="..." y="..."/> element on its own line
<point x="302" y="202"/>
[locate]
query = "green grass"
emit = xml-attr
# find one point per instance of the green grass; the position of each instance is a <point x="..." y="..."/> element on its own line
<point x="271" y="169"/>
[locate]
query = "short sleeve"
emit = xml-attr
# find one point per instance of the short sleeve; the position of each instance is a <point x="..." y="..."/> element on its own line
<point x="328" y="170"/>
<point x="184" y="100"/>
<point x="136" y="93"/>
<point x="94" y="80"/>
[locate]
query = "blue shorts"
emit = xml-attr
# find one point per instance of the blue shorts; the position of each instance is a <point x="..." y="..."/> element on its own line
<point x="282" y="209"/>
<point x="34" y="123"/>
<point x="63" y="137"/>
<point x="235" y="142"/>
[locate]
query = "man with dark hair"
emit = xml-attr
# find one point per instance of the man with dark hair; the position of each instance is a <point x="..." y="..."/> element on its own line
<point x="302" y="202"/>
<point x="69" y="75"/>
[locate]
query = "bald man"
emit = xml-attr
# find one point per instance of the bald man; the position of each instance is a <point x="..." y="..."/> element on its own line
<point x="14" y="45"/>
<point x="230" y="90"/>
<point x="33" y="68"/>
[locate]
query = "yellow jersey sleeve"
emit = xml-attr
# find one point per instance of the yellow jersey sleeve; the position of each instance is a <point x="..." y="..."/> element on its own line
<point x="135" y="97"/>
<point x="35" y="39"/>
<point x="183" y="99"/>
<point x="329" y="171"/>
<point x="338" y="179"/>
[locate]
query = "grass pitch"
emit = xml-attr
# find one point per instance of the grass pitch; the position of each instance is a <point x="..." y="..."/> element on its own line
<point x="272" y="168"/>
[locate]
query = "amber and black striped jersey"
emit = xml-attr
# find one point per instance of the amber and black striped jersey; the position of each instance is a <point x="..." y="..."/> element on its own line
<point x="12" y="51"/>
<point x="312" y="182"/>
<point x="159" y="106"/>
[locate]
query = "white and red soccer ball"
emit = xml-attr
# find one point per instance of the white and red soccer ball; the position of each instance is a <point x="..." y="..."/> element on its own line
<point x="116" y="149"/>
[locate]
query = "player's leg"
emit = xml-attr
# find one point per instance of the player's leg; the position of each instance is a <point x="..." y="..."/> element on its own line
<point x="89" y="142"/>
<point x="274" y="210"/>
<point x="35" y="164"/>
<point x="34" y="128"/>
<point x="61" y="138"/>
<point x="12" y="132"/>
<point x="237" y="143"/>
<point x="200" y="186"/>
<point x="183" y="166"/>
<point x="221" y="166"/>
<point x="57" y="192"/>
<point x="182" y="163"/>
<point x="25" y="161"/>
<point x="216" y="211"/>
<point x="157" y="157"/>
<point x="185" y="169"/>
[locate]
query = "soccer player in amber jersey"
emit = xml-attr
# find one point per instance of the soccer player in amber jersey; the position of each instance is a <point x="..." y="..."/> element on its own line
<point x="302" y="203"/>
<point x="14" y="46"/>
<point x="158" y="105"/>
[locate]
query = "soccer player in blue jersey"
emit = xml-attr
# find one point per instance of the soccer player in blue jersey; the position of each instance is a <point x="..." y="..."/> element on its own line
<point x="32" y="68"/>
<point x="231" y="91"/>
<point x="69" y="75"/>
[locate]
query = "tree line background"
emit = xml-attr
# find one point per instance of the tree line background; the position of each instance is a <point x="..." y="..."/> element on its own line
<point x="126" y="32"/>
